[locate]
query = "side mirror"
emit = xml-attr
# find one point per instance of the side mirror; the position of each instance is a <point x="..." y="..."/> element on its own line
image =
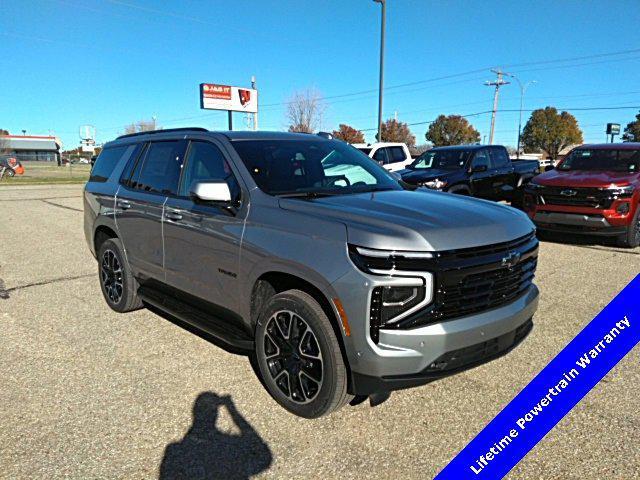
<point x="211" y="191"/>
<point x="478" y="168"/>
<point x="549" y="167"/>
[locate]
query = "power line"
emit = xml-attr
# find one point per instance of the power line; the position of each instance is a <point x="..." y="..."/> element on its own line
<point x="518" y="110"/>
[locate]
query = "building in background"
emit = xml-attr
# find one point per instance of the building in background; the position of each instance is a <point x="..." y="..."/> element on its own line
<point x="32" y="147"/>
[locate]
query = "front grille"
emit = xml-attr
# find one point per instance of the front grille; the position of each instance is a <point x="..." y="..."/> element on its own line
<point x="482" y="291"/>
<point x="583" y="197"/>
<point x="471" y="281"/>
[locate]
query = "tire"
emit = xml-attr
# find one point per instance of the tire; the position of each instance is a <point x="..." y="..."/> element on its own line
<point x="10" y="173"/>
<point x="631" y="239"/>
<point x="295" y="339"/>
<point x="119" y="288"/>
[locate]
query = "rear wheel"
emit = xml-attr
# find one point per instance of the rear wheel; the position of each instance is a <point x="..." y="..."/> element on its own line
<point x="631" y="239"/>
<point x="299" y="357"/>
<point x="118" y="286"/>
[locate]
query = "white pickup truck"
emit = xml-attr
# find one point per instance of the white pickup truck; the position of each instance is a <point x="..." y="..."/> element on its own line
<point x="392" y="156"/>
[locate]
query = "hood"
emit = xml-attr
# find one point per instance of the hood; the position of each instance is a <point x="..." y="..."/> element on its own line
<point x="421" y="220"/>
<point x="425" y="174"/>
<point x="585" y="178"/>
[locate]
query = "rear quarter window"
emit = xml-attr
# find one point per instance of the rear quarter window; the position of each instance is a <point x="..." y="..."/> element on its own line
<point x="107" y="161"/>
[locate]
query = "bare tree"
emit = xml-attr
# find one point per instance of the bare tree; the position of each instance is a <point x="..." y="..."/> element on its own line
<point x="141" y="126"/>
<point x="304" y="111"/>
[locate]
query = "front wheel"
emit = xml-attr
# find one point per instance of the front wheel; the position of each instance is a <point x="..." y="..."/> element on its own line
<point x="299" y="357"/>
<point x="631" y="239"/>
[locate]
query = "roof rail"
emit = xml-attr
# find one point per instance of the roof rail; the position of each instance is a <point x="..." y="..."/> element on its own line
<point x="166" y="130"/>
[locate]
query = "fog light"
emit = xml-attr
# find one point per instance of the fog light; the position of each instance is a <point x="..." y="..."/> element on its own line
<point x="623" y="208"/>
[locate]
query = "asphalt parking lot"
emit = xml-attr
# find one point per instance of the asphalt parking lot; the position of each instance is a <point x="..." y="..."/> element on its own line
<point x="88" y="393"/>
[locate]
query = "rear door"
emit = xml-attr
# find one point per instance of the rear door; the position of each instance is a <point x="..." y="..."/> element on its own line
<point x="380" y="156"/>
<point x="503" y="173"/>
<point x="481" y="182"/>
<point x="144" y="189"/>
<point x="397" y="158"/>
<point x="202" y="240"/>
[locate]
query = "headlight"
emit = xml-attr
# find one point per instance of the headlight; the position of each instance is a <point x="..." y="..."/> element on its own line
<point x="436" y="184"/>
<point x="410" y="290"/>
<point x="620" y="192"/>
<point x="390" y="262"/>
<point x="534" y="187"/>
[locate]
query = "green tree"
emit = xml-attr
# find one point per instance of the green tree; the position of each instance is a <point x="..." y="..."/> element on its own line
<point x="551" y="132"/>
<point x="348" y="134"/>
<point x="632" y="131"/>
<point x="395" y="131"/>
<point x="451" y="130"/>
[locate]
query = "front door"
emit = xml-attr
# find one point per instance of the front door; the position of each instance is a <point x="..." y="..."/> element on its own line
<point x="202" y="240"/>
<point x="140" y="203"/>
<point x="503" y="174"/>
<point x="482" y="182"/>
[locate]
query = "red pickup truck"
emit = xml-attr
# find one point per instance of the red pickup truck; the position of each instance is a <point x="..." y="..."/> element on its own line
<point x="595" y="190"/>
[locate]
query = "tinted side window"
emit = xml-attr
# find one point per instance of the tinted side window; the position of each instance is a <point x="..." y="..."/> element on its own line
<point x="107" y="160"/>
<point x="499" y="158"/>
<point x="161" y="167"/>
<point x="205" y="162"/>
<point x="481" y="158"/>
<point x="380" y="156"/>
<point x="397" y="154"/>
<point x="135" y="160"/>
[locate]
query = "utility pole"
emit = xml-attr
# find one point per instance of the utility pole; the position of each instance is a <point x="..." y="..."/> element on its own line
<point x="497" y="83"/>
<point x="523" y="89"/>
<point x="384" y="10"/>
<point x="255" y="115"/>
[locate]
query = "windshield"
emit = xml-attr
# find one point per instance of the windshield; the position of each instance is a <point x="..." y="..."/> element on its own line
<point x="366" y="151"/>
<point x="441" y="160"/>
<point x="285" y="167"/>
<point x="597" y="159"/>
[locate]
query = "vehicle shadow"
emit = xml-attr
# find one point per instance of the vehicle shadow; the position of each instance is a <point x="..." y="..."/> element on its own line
<point x="576" y="240"/>
<point x="205" y="452"/>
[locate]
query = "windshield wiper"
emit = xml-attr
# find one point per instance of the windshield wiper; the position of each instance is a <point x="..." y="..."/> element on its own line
<point x="309" y="194"/>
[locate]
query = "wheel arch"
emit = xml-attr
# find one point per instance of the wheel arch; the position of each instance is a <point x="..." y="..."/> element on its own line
<point x="272" y="282"/>
<point x="101" y="235"/>
<point x="459" y="187"/>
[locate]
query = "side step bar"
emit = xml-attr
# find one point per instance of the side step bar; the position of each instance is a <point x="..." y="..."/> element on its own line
<point x="222" y="330"/>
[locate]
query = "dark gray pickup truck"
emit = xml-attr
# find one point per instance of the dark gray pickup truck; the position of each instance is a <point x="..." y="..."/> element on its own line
<point x="477" y="170"/>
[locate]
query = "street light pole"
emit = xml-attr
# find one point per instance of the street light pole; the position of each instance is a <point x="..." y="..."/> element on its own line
<point x="523" y="89"/>
<point x="384" y="8"/>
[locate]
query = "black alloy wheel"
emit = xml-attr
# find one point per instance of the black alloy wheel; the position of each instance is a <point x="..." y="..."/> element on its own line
<point x="112" y="276"/>
<point x="293" y="356"/>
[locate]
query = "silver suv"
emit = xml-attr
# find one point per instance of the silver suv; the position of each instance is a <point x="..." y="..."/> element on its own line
<point x="307" y="254"/>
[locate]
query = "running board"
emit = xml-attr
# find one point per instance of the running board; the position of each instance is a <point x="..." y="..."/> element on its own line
<point x="222" y="330"/>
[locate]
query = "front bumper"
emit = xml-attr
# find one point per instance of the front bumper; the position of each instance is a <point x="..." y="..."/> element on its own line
<point x="591" y="224"/>
<point x="403" y="357"/>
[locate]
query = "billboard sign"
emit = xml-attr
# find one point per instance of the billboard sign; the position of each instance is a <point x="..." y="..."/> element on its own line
<point x="225" y="97"/>
<point x="613" y="128"/>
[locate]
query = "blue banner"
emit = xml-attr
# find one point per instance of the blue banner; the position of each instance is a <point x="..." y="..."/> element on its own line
<point x="553" y="392"/>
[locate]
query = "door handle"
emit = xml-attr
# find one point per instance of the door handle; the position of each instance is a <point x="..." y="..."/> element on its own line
<point x="124" y="204"/>
<point x="173" y="215"/>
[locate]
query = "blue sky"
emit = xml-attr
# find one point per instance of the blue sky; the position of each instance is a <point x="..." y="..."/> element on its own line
<point x="110" y="62"/>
